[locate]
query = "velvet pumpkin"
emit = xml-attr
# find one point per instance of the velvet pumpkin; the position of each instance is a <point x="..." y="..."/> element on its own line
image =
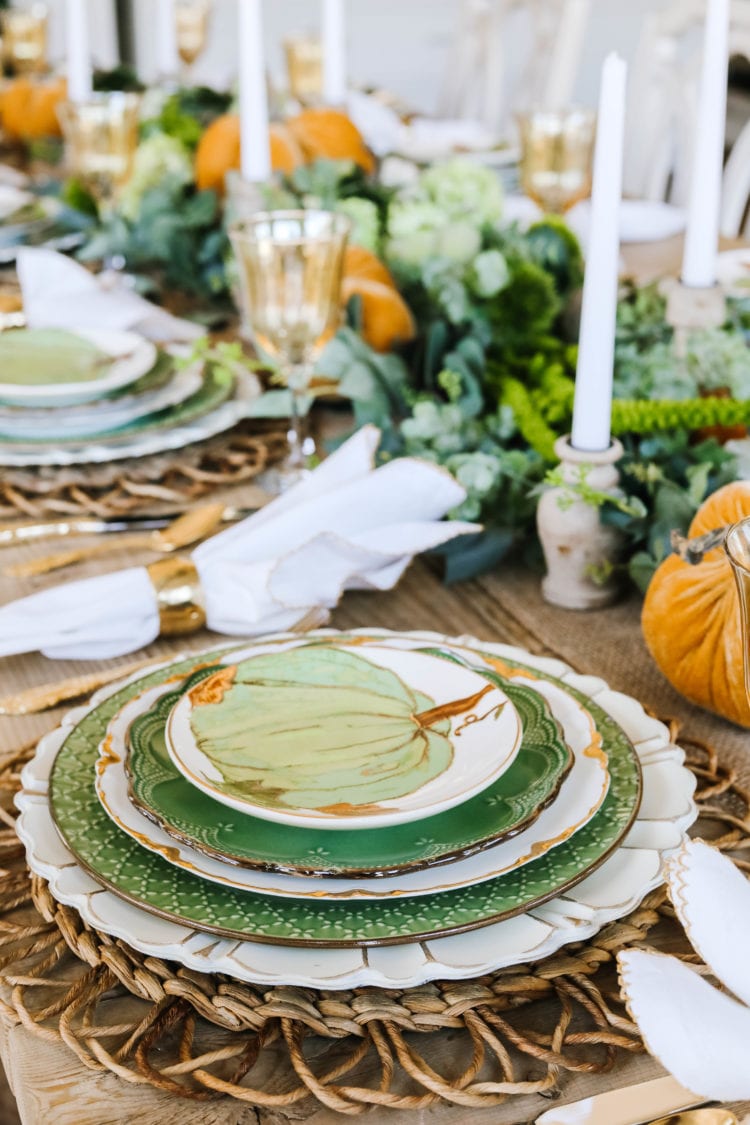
<point x="386" y="317"/>
<point x="218" y="151"/>
<point x="29" y="108"/>
<point x="329" y="134"/>
<point x="691" y="616"/>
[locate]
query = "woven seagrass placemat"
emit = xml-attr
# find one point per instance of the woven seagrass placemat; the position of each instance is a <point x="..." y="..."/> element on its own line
<point x="177" y="478"/>
<point x="201" y="1036"/>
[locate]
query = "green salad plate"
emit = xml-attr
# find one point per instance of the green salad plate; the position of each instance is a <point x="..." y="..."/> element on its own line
<point x="137" y="875"/>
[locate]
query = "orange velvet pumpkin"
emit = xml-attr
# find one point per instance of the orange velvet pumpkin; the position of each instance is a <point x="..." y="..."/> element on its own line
<point x="691" y="616"/>
<point x="29" y="109"/>
<point x="218" y="151"/>
<point x="386" y="317"/>
<point x="330" y="134"/>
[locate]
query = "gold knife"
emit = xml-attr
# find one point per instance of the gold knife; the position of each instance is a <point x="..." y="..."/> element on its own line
<point x="14" y="534"/>
<point x="631" y="1105"/>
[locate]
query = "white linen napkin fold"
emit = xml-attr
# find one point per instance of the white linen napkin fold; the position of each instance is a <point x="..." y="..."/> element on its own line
<point x="697" y="1032"/>
<point x="60" y="293"/>
<point x="347" y="526"/>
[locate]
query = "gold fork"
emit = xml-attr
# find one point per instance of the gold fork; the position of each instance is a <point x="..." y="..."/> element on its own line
<point x="187" y="529"/>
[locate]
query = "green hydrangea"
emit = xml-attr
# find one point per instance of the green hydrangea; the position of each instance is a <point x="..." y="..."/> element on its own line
<point x="365" y="220"/>
<point x="158" y="158"/>
<point x="459" y="242"/>
<point x="489" y="274"/>
<point x="413" y="231"/>
<point x="462" y="188"/>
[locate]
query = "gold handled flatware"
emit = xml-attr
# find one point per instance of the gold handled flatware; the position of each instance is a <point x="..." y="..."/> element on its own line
<point x="186" y="530"/>
<point x="44" y="698"/>
<point x="15" y="534"/>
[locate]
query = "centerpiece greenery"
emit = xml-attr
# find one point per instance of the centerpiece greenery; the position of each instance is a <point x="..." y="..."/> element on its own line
<point x="483" y="379"/>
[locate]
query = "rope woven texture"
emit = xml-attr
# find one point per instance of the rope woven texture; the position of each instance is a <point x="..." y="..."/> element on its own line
<point x="201" y="1036"/>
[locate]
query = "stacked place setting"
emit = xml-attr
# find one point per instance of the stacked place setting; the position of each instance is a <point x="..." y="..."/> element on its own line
<point x="334" y="809"/>
<point x="80" y="395"/>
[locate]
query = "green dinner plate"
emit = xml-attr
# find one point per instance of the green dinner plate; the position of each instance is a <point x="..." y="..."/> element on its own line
<point x="507" y="807"/>
<point x="217" y="386"/>
<point x="146" y="880"/>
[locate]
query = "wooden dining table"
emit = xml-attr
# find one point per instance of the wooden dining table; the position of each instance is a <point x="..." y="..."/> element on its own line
<point x="49" y="1082"/>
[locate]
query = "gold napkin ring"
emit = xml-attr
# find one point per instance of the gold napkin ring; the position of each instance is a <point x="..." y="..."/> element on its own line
<point x="178" y="595"/>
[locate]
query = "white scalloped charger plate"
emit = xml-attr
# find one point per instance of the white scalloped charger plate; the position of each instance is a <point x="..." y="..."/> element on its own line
<point x="667" y="811"/>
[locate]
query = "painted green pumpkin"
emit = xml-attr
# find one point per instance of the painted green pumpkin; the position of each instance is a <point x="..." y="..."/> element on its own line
<point x="318" y="729"/>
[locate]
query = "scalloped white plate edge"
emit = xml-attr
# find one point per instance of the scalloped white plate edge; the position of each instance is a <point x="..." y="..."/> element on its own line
<point x="575" y="916"/>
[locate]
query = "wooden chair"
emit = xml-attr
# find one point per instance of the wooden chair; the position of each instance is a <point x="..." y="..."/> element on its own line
<point x="511" y="53"/>
<point x="664" y="91"/>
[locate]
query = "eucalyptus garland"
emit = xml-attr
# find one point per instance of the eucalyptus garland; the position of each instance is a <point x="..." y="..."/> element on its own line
<point x="487" y="385"/>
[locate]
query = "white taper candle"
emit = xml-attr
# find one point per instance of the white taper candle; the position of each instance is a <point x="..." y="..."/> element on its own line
<point x="704" y="207"/>
<point x="167" y="55"/>
<point x="78" y="50"/>
<point x="592" y="409"/>
<point x="254" y="138"/>
<point x="334" y="52"/>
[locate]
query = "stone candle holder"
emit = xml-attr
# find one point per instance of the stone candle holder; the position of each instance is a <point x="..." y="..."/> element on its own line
<point x="692" y="309"/>
<point x="577" y="546"/>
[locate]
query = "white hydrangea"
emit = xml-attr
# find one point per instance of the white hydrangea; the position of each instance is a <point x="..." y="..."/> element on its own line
<point x="157" y="158"/>
<point x="462" y="188"/>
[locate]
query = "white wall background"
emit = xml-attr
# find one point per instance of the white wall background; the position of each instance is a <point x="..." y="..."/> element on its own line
<point x="403" y="45"/>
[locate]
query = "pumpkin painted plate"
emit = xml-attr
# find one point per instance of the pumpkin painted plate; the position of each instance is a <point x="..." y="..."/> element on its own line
<point x="54" y="367"/>
<point x="508" y="808"/>
<point x="339" y="738"/>
<point x="147" y="880"/>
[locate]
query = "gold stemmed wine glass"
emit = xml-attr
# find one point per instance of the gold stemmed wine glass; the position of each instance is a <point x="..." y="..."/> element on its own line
<point x="101" y="137"/>
<point x="192" y="19"/>
<point x="304" y="68"/>
<point x="24" y="39"/>
<point x="557" y="149"/>
<point x="290" y="265"/>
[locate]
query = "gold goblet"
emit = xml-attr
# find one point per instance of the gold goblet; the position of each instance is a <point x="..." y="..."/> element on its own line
<point x="290" y="265"/>
<point x="557" y="149"/>
<point x="24" y="39"/>
<point x="304" y="67"/>
<point x="192" y="18"/>
<point x="101" y="136"/>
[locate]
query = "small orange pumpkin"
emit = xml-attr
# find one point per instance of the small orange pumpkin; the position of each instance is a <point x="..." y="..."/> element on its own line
<point x="29" y="109"/>
<point x="330" y="134"/>
<point x="691" y="616"/>
<point x="386" y="317"/>
<point x="218" y="151"/>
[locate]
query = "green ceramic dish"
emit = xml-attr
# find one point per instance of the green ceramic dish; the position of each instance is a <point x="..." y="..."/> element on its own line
<point x="507" y="807"/>
<point x="147" y="880"/>
<point x="216" y="388"/>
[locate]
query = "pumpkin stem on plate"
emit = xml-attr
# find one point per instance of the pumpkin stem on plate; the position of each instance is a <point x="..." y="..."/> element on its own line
<point x="450" y="710"/>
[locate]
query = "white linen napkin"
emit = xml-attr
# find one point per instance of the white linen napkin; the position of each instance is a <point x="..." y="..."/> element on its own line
<point x="347" y="526"/>
<point x="697" y="1032"/>
<point x="60" y="293"/>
